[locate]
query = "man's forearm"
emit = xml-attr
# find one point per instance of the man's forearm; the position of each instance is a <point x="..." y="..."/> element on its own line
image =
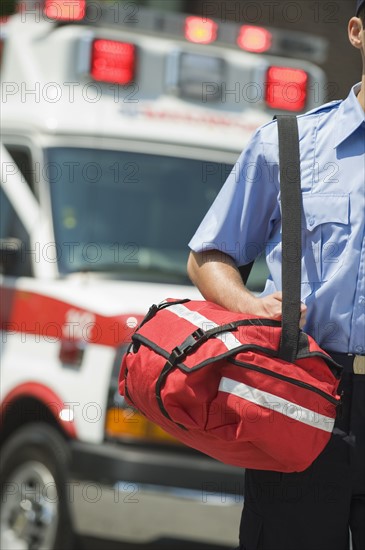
<point x="218" y="279"/>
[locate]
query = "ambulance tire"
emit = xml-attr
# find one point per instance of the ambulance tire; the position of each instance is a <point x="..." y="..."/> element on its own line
<point x="33" y="476"/>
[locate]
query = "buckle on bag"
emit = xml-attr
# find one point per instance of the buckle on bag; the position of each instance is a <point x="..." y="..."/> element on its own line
<point x="359" y="364"/>
<point x="190" y="344"/>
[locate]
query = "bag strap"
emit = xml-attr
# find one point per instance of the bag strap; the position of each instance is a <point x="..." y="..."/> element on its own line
<point x="291" y="208"/>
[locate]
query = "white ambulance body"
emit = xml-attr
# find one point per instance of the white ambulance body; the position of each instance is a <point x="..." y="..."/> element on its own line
<point x="118" y="129"/>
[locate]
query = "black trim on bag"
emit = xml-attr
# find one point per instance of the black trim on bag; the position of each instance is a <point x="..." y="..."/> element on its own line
<point x="158" y="388"/>
<point x="169" y="367"/>
<point x="304" y="353"/>
<point x="151" y="345"/>
<point x="288" y="379"/>
<point x="198" y="337"/>
<point x="126" y="392"/>
<point x="184" y="368"/>
<point x="227" y="355"/>
<point x="335" y="368"/>
<point x="152" y="312"/>
<point x="190" y="344"/>
<point x="130" y="347"/>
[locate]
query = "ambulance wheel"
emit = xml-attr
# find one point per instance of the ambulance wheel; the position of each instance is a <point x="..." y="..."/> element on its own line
<point x="34" y="513"/>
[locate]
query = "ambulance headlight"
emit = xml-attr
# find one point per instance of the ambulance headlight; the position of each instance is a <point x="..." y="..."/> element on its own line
<point x="125" y="423"/>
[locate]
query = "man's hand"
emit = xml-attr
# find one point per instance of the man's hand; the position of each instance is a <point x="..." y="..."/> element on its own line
<point x="219" y="281"/>
<point x="270" y="307"/>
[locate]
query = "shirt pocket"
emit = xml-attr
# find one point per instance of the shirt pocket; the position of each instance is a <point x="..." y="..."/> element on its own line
<point x="326" y="232"/>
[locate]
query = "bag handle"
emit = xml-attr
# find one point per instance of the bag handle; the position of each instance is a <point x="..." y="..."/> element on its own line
<point x="291" y="209"/>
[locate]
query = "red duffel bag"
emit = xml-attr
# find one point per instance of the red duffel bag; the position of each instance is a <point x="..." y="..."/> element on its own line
<point x="249" y="392"/>
<point x="213" y="379"/>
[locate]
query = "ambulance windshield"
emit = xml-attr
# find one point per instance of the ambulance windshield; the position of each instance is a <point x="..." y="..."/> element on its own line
<point x="126" y="213"/>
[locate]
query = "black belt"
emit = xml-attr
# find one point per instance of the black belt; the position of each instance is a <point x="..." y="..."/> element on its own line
<point x="349" y="361"/>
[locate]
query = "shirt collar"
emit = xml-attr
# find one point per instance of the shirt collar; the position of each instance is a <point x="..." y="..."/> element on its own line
<point x="349" y="117"/>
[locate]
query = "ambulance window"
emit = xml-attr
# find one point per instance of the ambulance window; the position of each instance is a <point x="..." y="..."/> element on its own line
<point x="23" y="159"/>
<point x="11" y="227"/>
<point x="137" y="211"/>
<point x="129" y="214"/>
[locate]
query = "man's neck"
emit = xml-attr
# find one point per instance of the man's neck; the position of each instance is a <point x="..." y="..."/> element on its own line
<point x="361" y="94"/>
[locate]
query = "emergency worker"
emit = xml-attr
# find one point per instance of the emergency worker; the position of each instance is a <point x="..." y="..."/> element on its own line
<point x="320" y="508"/>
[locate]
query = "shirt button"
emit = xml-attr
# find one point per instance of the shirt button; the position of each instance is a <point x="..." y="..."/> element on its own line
<point x="359" y="349"/>
<point x="311" y="221"/>
<point x="362" y="300"/>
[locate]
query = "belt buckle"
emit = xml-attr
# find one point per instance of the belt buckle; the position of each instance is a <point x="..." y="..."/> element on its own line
<point x="359" y="364"/>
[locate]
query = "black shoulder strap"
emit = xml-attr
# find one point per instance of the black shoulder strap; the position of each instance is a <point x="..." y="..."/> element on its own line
<point x="291" y="207"/>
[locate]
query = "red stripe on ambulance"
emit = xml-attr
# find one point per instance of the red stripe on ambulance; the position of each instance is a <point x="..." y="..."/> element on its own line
<point x="51" y="320"/>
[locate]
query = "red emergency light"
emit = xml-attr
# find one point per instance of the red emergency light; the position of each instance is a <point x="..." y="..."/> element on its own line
<point x="286" y="88"/>
<point x="200" y="31"/>
<point x="65" y="10"/>
<point x="254" y="39"/>
<point x="112" y="61"/>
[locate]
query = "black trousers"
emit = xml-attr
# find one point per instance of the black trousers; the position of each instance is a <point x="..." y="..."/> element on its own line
<point x="315" y="509"/>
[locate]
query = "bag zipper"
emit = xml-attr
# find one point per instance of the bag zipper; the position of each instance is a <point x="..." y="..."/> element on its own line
<point x="299" y="383"/>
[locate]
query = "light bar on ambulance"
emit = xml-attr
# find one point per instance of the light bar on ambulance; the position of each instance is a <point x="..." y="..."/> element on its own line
<point x="65" y="10"/>
<point x="200" y="30"/>
<point x="179" y="26"/>
<point x="254" y="39"/>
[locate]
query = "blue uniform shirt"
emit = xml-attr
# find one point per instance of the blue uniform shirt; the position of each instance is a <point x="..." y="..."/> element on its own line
<point x="245" y="219"/>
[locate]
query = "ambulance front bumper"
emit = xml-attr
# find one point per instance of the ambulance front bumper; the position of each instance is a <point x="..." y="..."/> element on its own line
<point x="143" y="495"/>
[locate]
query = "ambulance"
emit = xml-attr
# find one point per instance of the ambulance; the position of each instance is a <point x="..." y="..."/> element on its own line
<point x="119" y="124"/>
